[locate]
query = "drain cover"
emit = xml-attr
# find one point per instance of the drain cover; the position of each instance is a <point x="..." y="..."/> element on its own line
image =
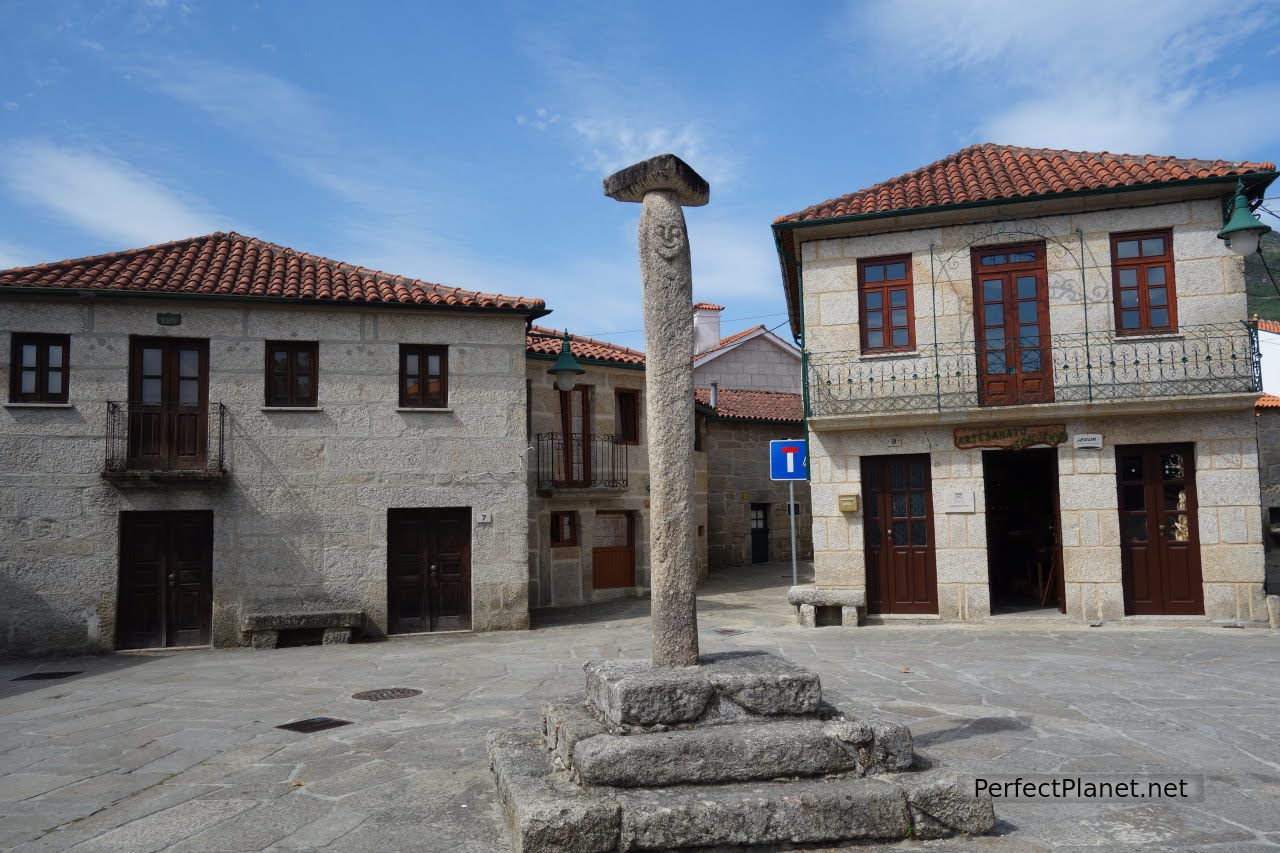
<point x="386" y="693"/>
<point x="728" y="632"/>
<point x="314" y="724"/>
<point x="44" y="676"/>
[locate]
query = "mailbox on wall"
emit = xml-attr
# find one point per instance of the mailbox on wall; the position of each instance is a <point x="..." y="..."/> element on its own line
<point x="849" y="503"/>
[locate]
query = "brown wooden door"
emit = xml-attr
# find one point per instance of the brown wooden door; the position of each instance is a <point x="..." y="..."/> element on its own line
<point x="613" y="555"/>
<point x="1011" y="325"/>
<point x="168" y="403"/>
<point x="1159" y="535"/>
<point x="166" y="579"/>
<point x="898" y="534"/>
<point x="575" y="427"/>
<point x="428" y="570"/>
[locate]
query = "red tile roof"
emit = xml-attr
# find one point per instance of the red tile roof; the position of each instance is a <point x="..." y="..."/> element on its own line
<point x="1268" y="401"/>
<point x="583" y="348"/>
<point x="989" y="172"/>
<point x="710" y="306"/>
<point x="1266" y="325"/>
<point x="732" y="339"/>
<point x="736" y="404"/>
<point x="234" y="265"/>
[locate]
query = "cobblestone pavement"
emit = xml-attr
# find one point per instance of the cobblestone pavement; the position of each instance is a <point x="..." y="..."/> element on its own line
<point x="178" y="750"/>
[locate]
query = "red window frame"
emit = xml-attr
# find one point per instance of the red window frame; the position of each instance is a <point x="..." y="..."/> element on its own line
<point x="1143" y="287"/>
<point x="886" y="304"/>
<point x="40" y="367"/>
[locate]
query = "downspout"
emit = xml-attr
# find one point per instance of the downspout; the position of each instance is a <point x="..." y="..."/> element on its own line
<point x="1084" y="296"/>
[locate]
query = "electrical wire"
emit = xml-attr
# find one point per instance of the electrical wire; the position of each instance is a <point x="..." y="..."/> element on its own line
<point x="725" y="320"/>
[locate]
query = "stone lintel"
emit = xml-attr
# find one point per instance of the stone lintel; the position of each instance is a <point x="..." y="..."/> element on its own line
<point x="725" y="685"/>
<point x="664" y="172"/>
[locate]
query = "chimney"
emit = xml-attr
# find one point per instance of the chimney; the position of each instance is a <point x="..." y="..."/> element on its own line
<point x="715" y="394"/>
<point x="706" y="326"/>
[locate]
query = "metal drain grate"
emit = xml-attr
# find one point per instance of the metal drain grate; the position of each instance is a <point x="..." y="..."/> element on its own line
<point x="314" y="724"/>
<point x="44" y="676"/>
<point x="386" y="693"/>
<point x="728" y="632"/>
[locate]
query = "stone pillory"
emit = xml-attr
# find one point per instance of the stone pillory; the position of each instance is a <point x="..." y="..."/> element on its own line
<point x="664" y="184"/>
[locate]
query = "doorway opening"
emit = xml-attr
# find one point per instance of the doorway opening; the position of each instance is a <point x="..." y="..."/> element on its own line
<point x="613" y="552"/>
<point x="428" y="570"/>
<point x="759" y="533"/>
<point x="1024" y="545"/>
<point x="166" y="579"/>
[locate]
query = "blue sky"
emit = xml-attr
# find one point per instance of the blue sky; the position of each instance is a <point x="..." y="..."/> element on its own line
<point x="465" y="143"/>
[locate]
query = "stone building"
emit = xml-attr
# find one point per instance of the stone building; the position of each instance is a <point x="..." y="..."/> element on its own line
<point x="1030" y="387"/>
<point x="219" y="426"/>
<point x="749" y="515"/>
<point x="1268" y="422"/>
<point x="589" y="476"/>
<point x="753" y="359"/>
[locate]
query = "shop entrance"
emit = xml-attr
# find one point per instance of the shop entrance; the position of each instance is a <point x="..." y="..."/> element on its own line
<point x="1024" y="548"/>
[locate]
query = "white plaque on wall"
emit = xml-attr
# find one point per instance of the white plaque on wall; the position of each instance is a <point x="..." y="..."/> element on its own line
<point x="1087" y="441"/>
<point x="959" y="500"/>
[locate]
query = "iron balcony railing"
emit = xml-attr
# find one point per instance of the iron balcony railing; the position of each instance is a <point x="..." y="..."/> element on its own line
<point x="166" y="437"/>
<point x="575" y="461"/>
<point x="1196" y="361"/>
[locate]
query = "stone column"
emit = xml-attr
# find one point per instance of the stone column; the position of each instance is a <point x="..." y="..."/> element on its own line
<point x="664" y="185"/>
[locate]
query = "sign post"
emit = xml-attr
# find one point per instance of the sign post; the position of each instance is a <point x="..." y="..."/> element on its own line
<point x="789" y="460"/>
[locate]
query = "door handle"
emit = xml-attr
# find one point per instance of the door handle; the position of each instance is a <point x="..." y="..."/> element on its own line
<point x="433" y="568"/>
<point x="173" y="580"/>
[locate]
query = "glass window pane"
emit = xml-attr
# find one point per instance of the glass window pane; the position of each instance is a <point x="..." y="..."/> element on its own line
<point x="1129" y="320"/>
<point x="279" y="387"/>
<point x="898" y="298"/>
<point x="895" y="272"/>
<point x="900" y="338"/>
<point x="1157" y="296"/>
<point x="1029" y="335"/>
<point x="992" y="291"/>
<point x="151" y="358"/>
<point x="897" y="475"/>
<point x="901" y="533"/>
<point x="1172" y="467"/>
<point x="994" y="260"/>
<point x="1159" y="318"/>
<point x="1128" y="277"/>
<point x="1027" y="312"/>
<point x="1131" y="467"/>
<point x="874" y="272"/>
<point x="1031" y="359"/>
<point x="279" y="359"/>
<point x="917" y="504"/>
<point x="1026" y="287"/>
<point x="1175" y="497"/>
<point x="993" y="315"/>
<point x="1177" y="528"/>
<point x="1153" y="246"/>
<point x="899" y="317"/>
<point x="304" y="360"/>
<point x="875" y="340"/>
<point x="55" y="381"/>
<point x="916" y="472"/>
<point x="434" y="386"/>
<point x="28" y="355"/>
<point x="1127" y="249"/>
<point x="189" y="363"/>
<point x="1155" y="275"/>
<point x="875" y="319"/>
<point x="900" y="505"/>
<point x="151" y="390"/>
<point x="1133" y="528"/>
<point x="1129" y="298"/>
<point x="1021" y="257"/>
<point x="411" y="364"/>
<point x="1133" y="498"/>
<point x="28" y="382"/>
<point x="411" y="387"/>
<point x="433" y="365"/>
<point x="55" y="355"/>
<point x="919" y="533"/>
<point x="188" y="392"/>
<point x="995" y="362"/>
<point x="874" y="299"/>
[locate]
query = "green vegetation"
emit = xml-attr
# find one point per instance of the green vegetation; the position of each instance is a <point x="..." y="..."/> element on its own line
<point x="1264" y="301"/>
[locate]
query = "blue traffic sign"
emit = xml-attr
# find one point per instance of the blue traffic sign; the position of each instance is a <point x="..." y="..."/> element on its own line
<point x="789" y="459"/>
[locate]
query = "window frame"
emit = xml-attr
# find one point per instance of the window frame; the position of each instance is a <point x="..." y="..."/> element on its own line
<point x="423" y="399"/>
<point x="625" y="436"/>
<point x="699" y="432"/>
<point x="556" y="517"/>
<point x="292" y="400"/>
<point x="883" y="288"/>
<point x="1141" y="265"/>
<point x="42" y="342"/>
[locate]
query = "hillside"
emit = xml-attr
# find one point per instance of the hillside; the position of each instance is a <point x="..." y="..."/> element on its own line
<point x="1264" y="301"/>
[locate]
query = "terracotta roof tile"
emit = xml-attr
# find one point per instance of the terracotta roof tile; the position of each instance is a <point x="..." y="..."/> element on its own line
<point x="709" y="306"/>
<point x="989" y="172"/>
<point x="1268" y="401"/>
<point x="1266" y="325"/>
<point x="736" y="404"/>
<point x="230" y="264"/>
<point x="732" y="339"/>
<point x="583" y="348"/>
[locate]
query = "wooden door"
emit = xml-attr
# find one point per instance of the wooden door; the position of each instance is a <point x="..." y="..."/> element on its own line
<point x="898" y="534"/>
<point x="575" y="426"/>
<point x="1011" y="325"/>
<point x="168" y="403"/>
<point x="428" y="570"/>
<point x="759" y="533"/>
<point x="613" y="552"/>
<point x="166" y="579"/>
<point x="1159" y="534"/>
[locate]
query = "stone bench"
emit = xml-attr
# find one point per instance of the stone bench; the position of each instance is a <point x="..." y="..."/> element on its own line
<point x="264" y="629"/>
<point x="807" y="599"/>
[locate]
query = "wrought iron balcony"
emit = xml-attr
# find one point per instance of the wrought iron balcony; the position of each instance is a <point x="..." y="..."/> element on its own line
<point x="1196" y="361"/>
<point x="165" y="441"/>
<point x="575" y="461"/>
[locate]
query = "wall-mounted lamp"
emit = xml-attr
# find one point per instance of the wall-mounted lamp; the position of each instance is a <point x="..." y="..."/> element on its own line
<point x="1242" y="230"/>
<point x="566" y="370"/>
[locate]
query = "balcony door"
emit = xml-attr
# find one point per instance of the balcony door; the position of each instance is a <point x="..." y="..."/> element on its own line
<point x="1011" y="325"/>
<point x="575" y="429"/>
<point x="168" y="403"/>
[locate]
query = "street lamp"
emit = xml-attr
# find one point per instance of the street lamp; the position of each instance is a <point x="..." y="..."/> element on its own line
<point x="566" y="370"/>
<point x="1243" y="230"/>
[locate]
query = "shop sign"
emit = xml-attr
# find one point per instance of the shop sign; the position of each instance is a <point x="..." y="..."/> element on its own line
<point x="1010" y="437"/>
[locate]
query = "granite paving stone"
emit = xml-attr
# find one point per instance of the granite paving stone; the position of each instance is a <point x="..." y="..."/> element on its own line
<point x="152" y="751"/>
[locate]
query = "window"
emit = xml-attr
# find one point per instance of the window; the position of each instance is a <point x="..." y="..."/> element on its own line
<point x="424" y="376"/>
<point x="885" y="304"/>
<point x="38" y="368"/>
<point x="291" y="373"/>
<point x="699" y="427"/>
<point x="1142" y="273"/>
<point x="564" y="529"/>
<point x="627" y="406"/>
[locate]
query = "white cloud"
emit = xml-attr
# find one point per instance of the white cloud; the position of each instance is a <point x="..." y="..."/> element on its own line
<point x="1138" y="78"/>
<point x="102" y="194"/>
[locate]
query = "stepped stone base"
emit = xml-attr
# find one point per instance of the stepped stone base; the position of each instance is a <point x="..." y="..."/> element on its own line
<point x="738" y="752"/>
